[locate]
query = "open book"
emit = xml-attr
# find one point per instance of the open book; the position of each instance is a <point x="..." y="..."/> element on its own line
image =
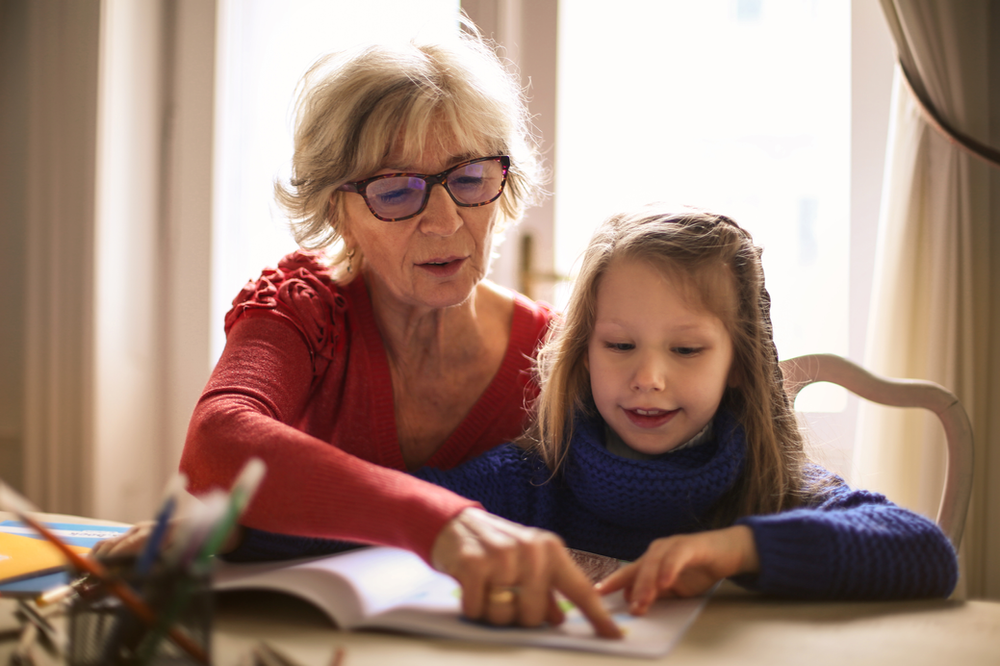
<point x="389" y="588"/>
<point x="29" y="564"/>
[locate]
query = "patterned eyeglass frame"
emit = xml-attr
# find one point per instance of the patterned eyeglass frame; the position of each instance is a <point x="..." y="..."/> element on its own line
<point x="360" y="186"/>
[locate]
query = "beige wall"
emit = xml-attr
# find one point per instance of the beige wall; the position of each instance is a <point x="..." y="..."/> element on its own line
<point x="106" y="203"/>
<point x="13" y="153"/>
<point x="50" y="65"/>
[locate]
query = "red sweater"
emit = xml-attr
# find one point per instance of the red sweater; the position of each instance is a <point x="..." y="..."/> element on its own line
<point x="304" y="384"/>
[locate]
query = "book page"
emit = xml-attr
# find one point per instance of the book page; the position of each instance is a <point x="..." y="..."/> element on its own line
<point x="349" y="587"/>
<point x="389" y="588"/>
<point x="651" y="635"/>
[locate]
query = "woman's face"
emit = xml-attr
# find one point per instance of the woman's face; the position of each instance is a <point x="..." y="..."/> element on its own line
<point x="433" y="260"/>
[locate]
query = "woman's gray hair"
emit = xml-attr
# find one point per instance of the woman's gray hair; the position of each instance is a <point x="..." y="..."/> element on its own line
<point x="356" y="107"/>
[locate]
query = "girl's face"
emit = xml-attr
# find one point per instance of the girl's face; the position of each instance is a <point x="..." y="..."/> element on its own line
<point x="659" y="361"/>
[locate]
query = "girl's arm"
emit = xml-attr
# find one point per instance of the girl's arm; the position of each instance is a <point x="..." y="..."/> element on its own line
<point x="851" y="545"/>
<point x="506" y="481"/>
<point x="854" y="544"/>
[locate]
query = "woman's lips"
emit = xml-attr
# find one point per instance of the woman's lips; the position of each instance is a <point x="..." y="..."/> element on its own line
<point x="443" y="268"/>
<point x="650" y="418"/>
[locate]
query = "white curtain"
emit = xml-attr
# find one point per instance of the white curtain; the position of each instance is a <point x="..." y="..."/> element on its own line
<point x="935" y="290"/>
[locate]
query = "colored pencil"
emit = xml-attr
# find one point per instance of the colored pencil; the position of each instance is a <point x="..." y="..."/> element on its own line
<point x="114" y="585"/>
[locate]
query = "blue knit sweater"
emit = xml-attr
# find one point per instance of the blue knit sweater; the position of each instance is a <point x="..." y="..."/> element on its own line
<point x="847" y="544"/>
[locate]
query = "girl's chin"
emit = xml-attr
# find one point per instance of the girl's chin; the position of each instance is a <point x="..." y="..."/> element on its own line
<point x="653" y="445"/>
<point x="654" y="450"/>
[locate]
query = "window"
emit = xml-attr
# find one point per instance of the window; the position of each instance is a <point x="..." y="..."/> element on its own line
<point x="750" y="107"/>
<point x="265" y="48"/>
<point x="738" y="106"/>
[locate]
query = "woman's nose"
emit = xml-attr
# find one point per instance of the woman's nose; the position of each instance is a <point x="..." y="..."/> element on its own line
<point x="440" y="217"/>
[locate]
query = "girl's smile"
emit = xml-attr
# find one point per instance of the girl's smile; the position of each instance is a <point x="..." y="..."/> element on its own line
<point x="659" y="361"/>
<point x="650" y="418"/>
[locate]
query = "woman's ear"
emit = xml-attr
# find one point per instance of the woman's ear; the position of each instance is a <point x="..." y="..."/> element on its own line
<point x="345" y="233"/>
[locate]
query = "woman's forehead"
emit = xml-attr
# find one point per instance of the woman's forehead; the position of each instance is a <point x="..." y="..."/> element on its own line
<point x="443" y="143"/>
<point x="429" y="161"/>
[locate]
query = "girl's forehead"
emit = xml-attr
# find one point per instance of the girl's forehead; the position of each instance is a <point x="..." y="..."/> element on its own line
<point x="708" y="287"/>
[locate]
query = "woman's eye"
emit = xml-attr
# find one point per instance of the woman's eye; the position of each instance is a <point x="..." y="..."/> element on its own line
<point x="393" y="196"/>
<point x="466" y="182"/>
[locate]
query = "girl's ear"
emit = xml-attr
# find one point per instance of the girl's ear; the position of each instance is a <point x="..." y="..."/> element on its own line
<point x="735" y="379"/>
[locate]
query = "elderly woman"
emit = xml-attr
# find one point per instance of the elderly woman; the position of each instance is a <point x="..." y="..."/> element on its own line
<point x="344" y="370"/>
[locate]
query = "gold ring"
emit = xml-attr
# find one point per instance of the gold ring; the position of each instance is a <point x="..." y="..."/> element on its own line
<point x="503" y="594"/>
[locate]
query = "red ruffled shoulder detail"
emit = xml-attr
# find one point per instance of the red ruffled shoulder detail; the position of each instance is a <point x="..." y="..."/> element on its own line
<point x="300" y="290"/>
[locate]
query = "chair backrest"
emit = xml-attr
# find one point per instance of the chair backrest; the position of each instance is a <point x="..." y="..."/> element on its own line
<point x="804" y="370"/>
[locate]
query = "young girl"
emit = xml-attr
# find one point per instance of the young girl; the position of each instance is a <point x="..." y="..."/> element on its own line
<point x="662" y="434"/>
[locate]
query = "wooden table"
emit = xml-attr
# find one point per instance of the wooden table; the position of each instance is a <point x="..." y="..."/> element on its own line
<point x="735" y="628"/>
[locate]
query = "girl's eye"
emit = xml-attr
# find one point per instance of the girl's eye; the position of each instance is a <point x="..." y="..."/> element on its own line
<point x="619" y="346"/>
<point x="686" y="351"/>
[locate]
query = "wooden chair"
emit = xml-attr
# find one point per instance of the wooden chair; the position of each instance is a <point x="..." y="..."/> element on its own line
<point x="801" y="371"/>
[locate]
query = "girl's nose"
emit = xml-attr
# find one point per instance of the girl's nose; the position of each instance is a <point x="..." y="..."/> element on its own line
<point x="649" y="375"/>
<point x="440" y="217"/>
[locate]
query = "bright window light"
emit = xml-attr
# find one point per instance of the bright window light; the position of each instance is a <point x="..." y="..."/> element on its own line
<point x="265" y="48"/>
<point x="740" y="106"/>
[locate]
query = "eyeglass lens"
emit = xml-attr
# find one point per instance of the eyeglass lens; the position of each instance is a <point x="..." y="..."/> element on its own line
<point x="469" y="185"/>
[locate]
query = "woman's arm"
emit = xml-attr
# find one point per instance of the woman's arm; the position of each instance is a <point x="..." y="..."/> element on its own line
<point x="259" y="388"/>
<point x="252" y="406"/>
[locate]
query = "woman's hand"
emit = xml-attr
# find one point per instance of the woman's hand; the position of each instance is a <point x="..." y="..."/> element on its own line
<point x="684" y="566"/>
<point x="510" y="573"/>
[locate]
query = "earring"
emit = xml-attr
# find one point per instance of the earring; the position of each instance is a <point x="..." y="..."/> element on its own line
<point x="350" y="259"/>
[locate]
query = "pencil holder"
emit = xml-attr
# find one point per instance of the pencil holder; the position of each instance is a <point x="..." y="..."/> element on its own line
<point x="103" y="630"/>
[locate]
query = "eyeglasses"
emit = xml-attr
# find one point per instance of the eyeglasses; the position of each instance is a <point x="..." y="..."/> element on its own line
<point x="393" y="197"/>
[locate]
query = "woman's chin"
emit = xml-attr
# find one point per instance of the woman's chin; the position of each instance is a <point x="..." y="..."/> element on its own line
<point x="446" y="294"/>
<point x="451" y="291"/>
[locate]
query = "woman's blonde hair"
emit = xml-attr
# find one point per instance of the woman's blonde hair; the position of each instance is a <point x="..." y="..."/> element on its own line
<point x="717" y="262"/>
<point x="356" y="107"/>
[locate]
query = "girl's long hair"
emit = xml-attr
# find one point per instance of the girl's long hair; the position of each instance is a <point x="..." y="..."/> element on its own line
<point x="717" y="262"/>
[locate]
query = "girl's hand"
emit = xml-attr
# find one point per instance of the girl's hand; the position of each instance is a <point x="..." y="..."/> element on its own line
<point x="134" y="540"/>
<point x="510" y="573"/>
<point x="684" y="566"/>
